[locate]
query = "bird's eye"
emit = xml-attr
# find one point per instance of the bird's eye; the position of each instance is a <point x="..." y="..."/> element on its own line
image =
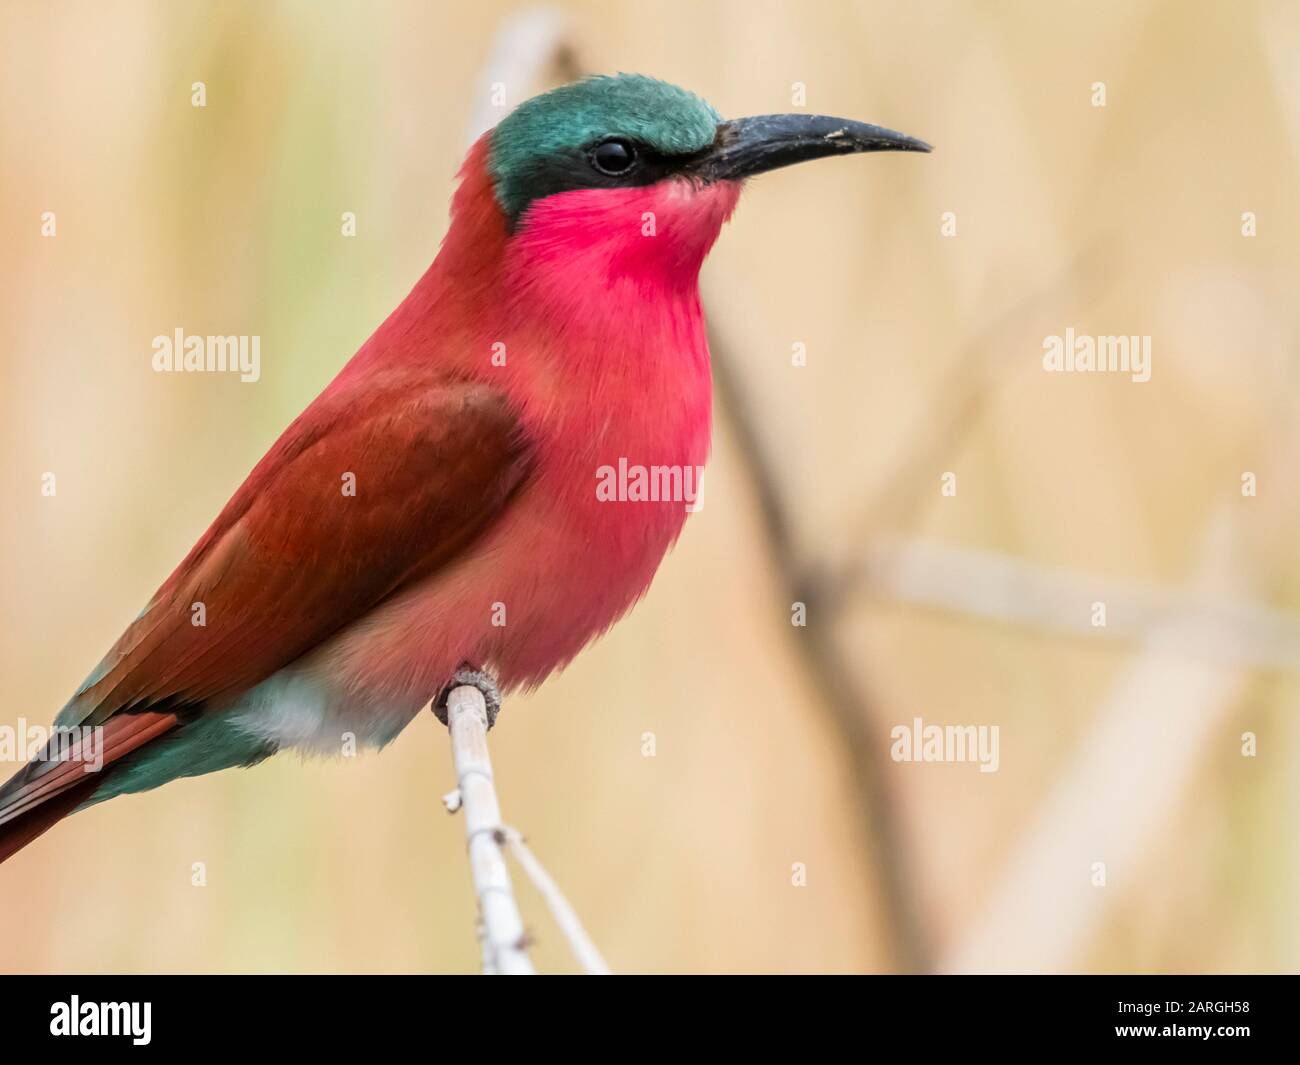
<point x="613" y="157"/>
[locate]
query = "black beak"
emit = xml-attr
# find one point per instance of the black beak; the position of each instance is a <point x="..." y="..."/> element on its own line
<point x="748" y="146"/>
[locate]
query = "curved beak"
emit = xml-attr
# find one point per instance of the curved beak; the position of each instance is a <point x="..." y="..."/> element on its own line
<point x="748" y="146"/>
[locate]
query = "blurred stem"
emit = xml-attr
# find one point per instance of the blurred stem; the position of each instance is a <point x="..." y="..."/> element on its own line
<point x="831" y="675"/>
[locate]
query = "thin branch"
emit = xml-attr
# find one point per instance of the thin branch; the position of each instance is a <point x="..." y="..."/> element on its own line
<point x="822" y="585"/>
<point x="1122" y="783"/>
<point x="593" y="964"/>
<point x="502" y="928"/>
<point x="1139" y="756"/>
<point x="952" y="413"/>
<point x="827" y="669"/>
<point x="527" y="47"/>
<point x="991" y="586"/>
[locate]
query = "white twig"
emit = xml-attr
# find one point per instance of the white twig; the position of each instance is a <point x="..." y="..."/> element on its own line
<point x="489" y="962"/>
<point x="523" y="48"/>
<point x="502" y="928"/>
<point x="579" y="942"/>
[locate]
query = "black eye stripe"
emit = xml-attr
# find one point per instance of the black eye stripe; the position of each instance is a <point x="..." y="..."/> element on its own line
<point x="575" y="168"/>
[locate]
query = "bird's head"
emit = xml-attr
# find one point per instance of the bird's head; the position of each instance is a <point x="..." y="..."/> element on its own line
<point x="625" y="175"/>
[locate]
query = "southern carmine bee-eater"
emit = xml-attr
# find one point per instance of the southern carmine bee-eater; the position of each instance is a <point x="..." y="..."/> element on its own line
<point x="451" y="465"/>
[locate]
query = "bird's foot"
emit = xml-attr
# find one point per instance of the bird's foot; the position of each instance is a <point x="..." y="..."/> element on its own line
<point x="475" y="678"/>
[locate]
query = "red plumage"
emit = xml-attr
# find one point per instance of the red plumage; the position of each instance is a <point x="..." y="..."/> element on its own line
<point x="475" y="486"/>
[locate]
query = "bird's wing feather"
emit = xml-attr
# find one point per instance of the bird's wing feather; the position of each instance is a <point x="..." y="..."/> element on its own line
<point x="43" y="778"/>
<point x="371" y="488"/>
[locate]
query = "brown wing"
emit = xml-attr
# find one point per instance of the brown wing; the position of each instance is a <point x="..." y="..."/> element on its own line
<point x="371" y="488"/>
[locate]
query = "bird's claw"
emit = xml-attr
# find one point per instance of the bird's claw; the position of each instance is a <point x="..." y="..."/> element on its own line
<point x="475" y="678"/>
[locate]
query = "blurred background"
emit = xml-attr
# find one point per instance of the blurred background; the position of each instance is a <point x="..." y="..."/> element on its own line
<point x="1145" y="814"/>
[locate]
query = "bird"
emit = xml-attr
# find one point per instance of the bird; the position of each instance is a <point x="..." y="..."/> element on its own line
<point x="439" y="512"/>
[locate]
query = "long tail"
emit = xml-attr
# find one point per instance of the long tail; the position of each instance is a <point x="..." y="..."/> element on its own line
<point x="47" y="789"/>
